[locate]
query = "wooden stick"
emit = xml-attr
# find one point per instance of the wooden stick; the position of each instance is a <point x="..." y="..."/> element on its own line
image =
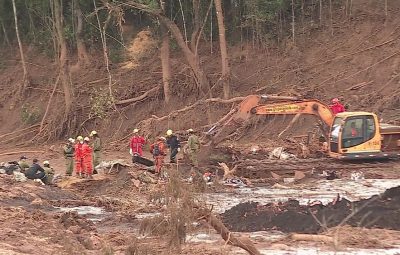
<point x="359" y="85"/>
<point x="20" y="130"/>
<point x="295" y="118"/>
<point x="313" y="238"/>
<point x="136" y="99"/>
<point x="48" y="104"/>
<point x="230" y="238"/>
<point x="19" y="152"/>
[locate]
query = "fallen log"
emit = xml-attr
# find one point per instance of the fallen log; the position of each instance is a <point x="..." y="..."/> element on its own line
<point x="19" y="152"/>
<point x="138" y="98"/>
<point x="20" y="130"/>
<point x="312" y="238"/>
<point x="230" y="238"/>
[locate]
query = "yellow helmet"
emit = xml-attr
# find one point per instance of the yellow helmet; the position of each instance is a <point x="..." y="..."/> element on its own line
<point x="46" y="162"/>
<point x="93" y="133"/>
<point x="136" y="131"/>
<point x="169" y="132"/>
<point x="79" y="138"/>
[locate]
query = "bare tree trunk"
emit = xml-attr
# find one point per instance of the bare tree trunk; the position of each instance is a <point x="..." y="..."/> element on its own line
<point x="166" y="68"/>
<point x="63" y="58"/>
<point x="83" y="56"/>
<point x="293" y="32"/>
<point x="320" y="12"/>
<point x="25" y="81"/>
<point x="6" y="40"/>
<point x="191" y="58"/>
<point x="225" y="78"/>
<point x="104" y="43"/>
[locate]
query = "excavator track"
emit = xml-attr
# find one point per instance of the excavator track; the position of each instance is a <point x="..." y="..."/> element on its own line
<point x="255" y="169"/>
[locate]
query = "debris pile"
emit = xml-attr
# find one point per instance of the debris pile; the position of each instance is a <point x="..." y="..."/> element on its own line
<point x="376" y="212"/>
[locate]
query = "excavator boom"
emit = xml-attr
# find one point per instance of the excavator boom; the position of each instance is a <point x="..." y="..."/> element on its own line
<point x="252" y="105"/>
<point x="312" y="107"/>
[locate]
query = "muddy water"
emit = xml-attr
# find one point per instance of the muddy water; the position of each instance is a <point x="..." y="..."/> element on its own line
<point x="321" y="190"/>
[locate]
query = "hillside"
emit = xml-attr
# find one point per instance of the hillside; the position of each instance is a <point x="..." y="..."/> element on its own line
<point x="357" y="59"/>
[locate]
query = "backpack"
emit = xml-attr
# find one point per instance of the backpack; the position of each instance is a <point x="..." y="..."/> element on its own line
<point x="156" y="150"/>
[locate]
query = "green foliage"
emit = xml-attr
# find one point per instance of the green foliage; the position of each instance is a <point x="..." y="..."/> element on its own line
<point x="116" y="54"/>
<point x="100" y="103"/>
<point x="30" y="114"/>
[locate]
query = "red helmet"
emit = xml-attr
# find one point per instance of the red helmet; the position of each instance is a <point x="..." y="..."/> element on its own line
<point x="335" y="100"/>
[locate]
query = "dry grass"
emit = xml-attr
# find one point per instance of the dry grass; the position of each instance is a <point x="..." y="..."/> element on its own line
<point x="365" y="238"/>
<point x="179" y="200"/>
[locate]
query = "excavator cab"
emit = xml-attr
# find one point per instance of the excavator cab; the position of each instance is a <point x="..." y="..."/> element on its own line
<point x="355" y="135"/>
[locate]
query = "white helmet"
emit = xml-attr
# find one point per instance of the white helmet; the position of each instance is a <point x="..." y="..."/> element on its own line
<point x="46" y="162"/>
<point x="86" y="139"/>
<point x="71" y="140"/>
<point x="169" y="132"/>
<point x="136" y="131"/>
<point x="93" y="133"/>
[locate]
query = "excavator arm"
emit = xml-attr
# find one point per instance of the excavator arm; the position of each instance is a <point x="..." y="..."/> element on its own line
<point x="311" y="107"/>
<point x="252" y="105"/>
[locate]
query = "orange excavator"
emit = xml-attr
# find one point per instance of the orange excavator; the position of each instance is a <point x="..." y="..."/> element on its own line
<point x="351" y="135"/>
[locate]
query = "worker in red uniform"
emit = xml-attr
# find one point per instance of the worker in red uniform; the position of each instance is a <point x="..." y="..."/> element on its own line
<point x="87" y="158"/>
<point x="158" y="150"/>
<point x="136" y="144"/>
<point x="336" y="106"/>
<point x="78" y="156"/>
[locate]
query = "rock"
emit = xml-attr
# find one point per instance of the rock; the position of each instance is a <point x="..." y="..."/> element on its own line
<point x="298" y="175"/>
<point x="96" y="242"/>
<point x="276" y="176"/>
<point x="75" y="229"/>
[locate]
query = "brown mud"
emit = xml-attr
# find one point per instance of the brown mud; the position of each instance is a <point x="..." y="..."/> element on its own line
<point x="375" y="212"/>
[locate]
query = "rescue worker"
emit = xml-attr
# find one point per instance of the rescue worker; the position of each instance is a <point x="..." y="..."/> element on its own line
<point x="193" y="146"/>
<point x="35" y="171"/>
<point x="173" y="144"/>
<point x="87" y="158"/>
<point x="78" y="157"/>
<point x="336" y="106"/>
<point x="96" y="149"/>
<point x="49" y="171"/>
<point x="353" y="130"/>
<point x="23" y="165"/>
<point x="136" y="144"/>
<point x="158" y="150"/>
<point x="69" y="156"/>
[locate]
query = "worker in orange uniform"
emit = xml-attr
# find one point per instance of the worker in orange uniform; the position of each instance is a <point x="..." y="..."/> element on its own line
<point x="336" y="106"/>
<point x="78" y="156"/>
<point x="136" y="144"/>
<point x="158" y="150"/>
<point x="87" y="158"/>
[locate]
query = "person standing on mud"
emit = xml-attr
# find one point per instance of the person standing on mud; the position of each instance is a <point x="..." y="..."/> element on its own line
<point x="87" y="158"/>
<point x="96" y="149"/>
<point x="157" y="149"/>
<point x="136" y="144"/>
<point x="69" y="156"/>
<point x="78" y="157"/>
<point x="193" y="146"/>
<point x="173" y="144"/>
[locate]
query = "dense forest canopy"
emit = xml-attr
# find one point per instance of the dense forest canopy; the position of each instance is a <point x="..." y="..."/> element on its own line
<point x="72" y="32"/>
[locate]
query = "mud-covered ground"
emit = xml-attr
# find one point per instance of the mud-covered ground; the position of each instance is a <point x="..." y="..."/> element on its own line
<point x="104" y="215"/>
